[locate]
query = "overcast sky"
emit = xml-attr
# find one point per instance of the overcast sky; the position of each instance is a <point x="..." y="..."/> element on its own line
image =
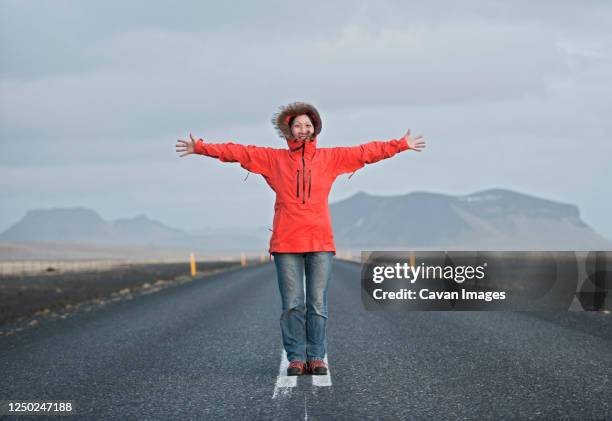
<point x="93" y="95"/>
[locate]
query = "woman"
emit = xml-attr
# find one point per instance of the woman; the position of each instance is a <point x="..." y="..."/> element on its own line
<point x="302" y="241"/>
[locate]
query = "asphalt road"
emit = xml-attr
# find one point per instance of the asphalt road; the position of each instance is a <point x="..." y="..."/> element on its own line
<point x="211" y="349"/>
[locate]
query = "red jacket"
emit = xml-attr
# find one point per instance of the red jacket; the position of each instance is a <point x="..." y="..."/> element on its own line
<point x="302" y="177"/>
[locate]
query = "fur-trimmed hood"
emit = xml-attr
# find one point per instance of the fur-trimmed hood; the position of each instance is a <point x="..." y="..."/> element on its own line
<point x="286" y="113"/>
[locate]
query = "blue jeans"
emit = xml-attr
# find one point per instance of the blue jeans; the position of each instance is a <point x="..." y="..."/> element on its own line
<point x="303" y="322"/>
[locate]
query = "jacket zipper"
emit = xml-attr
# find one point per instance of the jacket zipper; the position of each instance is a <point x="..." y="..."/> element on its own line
<point x="297" y="184"/>
<point x="303" y="177"/>
<point x="309" y="181"/>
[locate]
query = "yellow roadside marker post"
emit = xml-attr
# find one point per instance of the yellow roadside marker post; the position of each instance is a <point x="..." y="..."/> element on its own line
<point x="193" y="265"/>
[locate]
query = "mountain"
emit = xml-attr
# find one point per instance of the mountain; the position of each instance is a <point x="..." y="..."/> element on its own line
<point x="491" y="219"/>
<point x="85" y="226"/>
<point x="146" y="231"/>
<point x="69" y="224"/>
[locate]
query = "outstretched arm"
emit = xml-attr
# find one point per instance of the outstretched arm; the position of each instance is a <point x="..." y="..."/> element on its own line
<point x="252" y="158"/>
<point x="350" y="159"/>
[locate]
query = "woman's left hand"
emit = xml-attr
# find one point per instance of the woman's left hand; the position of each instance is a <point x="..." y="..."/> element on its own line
<point x="414" y="143"/>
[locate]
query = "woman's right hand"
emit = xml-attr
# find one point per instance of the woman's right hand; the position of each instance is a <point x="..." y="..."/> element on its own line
<point x="187" y="147"/>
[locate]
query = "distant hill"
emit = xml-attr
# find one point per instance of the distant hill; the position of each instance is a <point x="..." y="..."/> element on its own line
<point x="491" y="219"/>
<point x="85" y="226"/>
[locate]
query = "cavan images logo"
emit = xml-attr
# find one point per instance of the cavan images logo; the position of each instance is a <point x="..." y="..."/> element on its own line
<point x="499" y="280"/>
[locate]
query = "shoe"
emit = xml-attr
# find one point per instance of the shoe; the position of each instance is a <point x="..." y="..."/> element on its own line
<point x="296" y="368"/>
<point x="317" y="367"/>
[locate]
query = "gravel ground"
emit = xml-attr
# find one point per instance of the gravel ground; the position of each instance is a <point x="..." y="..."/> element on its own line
<point x="25" y="300"/>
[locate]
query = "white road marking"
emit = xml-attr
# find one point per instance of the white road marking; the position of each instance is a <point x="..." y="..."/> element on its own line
<point x="323" y="381"/>
<point x="284" y="383"/>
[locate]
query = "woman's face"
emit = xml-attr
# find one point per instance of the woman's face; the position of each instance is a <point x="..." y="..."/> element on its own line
<point x="302" y="128"/>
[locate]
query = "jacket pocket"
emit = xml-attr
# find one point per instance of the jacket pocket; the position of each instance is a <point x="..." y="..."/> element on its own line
<point x="297" y="184"/>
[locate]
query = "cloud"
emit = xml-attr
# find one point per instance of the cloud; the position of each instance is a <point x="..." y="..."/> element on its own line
<point x="145" y="81"/>
<point x="93" y="95"/>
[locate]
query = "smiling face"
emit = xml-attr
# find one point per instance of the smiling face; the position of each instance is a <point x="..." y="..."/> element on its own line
<point x="302" y="128"/>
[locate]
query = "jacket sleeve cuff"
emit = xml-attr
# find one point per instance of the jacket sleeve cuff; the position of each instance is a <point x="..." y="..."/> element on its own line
<point x="403" y="145"/>
<point x="199" y="147"/>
